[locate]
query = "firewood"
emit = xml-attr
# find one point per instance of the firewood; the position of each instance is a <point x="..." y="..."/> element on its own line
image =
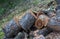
<point x="7" y="38"/>
<point x="44" y="32"/>
<point x="15" y="25"/>
<point x="11" y="29"/>
<point x="21" y="35"/>
<point x="53" y="35"/>
<point x="54" y="23"/>
<point x="41" y="21"/>
<point x="27" y="21"/>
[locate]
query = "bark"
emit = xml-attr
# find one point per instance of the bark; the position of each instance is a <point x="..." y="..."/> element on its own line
<point x="11" y="29"/>
<point x="21" y="35"/>
<point x="53" y="35"/>
<point x="44" y="32"/>
<point x="41" y="21"/>
<point x="54" y="23"/>
<point x="27" y="21"/>
<point x="14" y="26"/>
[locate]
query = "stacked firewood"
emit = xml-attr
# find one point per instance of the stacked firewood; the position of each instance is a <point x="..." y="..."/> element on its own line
<point x="33" y="25"/>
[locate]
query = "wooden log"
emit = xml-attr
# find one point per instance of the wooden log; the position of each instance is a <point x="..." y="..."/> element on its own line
<point x="44" y="32"/>
<point x="11" y="29"/>
<point x="53" y="35"/>
<point x="41" y="21"/>
<point x="49" y="4"/>
<point x="14" y="26"/>
<point x="20" y="35"/>
<point x="54" y="23"/>
<point x="27" y="21"/>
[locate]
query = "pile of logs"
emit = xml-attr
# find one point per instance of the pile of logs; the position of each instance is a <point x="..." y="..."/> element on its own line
<point x="33" y="25"/>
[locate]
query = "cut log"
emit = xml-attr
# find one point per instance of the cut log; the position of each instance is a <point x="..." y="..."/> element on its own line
<point x="54" y="23"/>
<point x="44" y="32"/>
<point x="41" y="21"/>
<point x="27" y="21"/>
<point x="21" y="35"/>
<point x="53" y="35"/>
<point x="11" y="29"/>
<point x="14" y="26"/>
